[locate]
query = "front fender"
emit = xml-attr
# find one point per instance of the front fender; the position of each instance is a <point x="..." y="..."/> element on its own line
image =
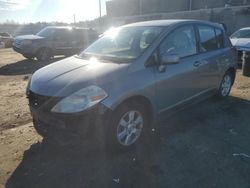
<point x="137" y="83"/>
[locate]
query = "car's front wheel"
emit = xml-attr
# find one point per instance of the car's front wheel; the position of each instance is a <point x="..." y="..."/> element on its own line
<point x="226" y="85"/>
<point x="28" y="57"/>
<point x="128" y="126"/>
<point x="44" y="54"/>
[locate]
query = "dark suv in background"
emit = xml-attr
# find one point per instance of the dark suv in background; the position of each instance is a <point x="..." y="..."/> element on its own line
<point x="53" y="40"/>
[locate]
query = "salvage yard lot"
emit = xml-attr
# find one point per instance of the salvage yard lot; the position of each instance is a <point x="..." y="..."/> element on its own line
<point x="206" y="145"/>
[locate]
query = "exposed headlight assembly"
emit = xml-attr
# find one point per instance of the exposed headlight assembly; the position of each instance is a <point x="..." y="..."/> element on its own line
<point x="80" y="100"/>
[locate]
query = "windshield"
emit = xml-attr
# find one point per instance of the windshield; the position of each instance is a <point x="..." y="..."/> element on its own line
<point x="46" y="32"/>
<point x="241" y="34"/>
<point x="124" y="44"/>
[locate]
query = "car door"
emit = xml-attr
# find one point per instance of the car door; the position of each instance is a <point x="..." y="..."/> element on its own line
<point x="212" y="54"/>
<point x="62" y="41"/>
<point x="182" y="81"/>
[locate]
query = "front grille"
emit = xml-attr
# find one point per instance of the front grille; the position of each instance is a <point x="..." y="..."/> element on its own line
<point x="37" y="101"/>
<point x="18" y="42"/>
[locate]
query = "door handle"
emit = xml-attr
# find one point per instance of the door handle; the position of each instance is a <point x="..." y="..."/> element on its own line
<point x="197" y="63"/>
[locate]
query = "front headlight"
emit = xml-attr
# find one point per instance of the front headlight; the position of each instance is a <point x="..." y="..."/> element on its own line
<point x="80" y="100"/>
<point x="26" y="42"/>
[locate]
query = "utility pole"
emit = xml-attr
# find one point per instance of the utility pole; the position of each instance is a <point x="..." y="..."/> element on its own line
<point x="100" y="15"/>
<point x="100" y="9"/>
<point x="140" y="7"/>
<point x="74" y="16"/>
<point x="190" y="4"/>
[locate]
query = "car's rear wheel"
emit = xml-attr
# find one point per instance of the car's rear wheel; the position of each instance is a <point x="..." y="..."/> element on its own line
<point x="226" y="85"/>
<point x="44" y="54"/>
<point x="128" y="126"/>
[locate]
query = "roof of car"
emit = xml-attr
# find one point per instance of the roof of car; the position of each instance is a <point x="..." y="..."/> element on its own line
<point x="245" y="28"/>
<point x="69" y="27"/>
<point x="59" y="27"/>
<point x="168" y="22"/>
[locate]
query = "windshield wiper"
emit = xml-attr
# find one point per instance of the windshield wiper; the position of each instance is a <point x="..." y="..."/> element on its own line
<point x="103" y="57"/>
<point x="114" y="59"/>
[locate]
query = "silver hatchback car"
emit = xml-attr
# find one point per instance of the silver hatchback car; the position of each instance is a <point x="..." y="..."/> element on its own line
<point x="130" y="79"/>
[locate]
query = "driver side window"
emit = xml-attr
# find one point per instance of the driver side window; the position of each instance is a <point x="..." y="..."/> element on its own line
<point x="180" y="42"/>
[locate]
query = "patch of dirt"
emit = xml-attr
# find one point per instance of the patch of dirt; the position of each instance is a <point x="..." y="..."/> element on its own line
<point x="15" y="72"/>
<point x="13" y="103"/>
<point x="241" y="86"/>
<point x="12" y="144"/>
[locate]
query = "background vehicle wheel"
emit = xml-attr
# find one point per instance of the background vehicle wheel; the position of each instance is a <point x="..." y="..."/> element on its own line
<point x="129" y="124"/>
<point x="44" y="54"/>
<point x="226" y="85"/>
<point x="28" y="57"/>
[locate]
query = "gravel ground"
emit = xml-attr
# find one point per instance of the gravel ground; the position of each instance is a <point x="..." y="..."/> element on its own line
<point x="206" y="145"/>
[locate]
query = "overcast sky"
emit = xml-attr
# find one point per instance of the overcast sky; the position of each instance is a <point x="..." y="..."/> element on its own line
<point x="25" y="11"/>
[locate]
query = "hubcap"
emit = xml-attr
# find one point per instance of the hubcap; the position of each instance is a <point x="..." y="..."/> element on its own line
<point x="226" y="85"/>
<point x="129" y="128"/>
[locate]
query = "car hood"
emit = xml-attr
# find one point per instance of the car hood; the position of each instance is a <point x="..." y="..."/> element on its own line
<point x="240" y="42"/>
<point x="28" y="37"/>
<point x="71" y="74"/>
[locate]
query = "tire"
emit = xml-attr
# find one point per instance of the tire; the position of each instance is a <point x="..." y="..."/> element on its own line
<point x="28" y="57"/>
<point x="226" y="85"/>
<point x="44" y="54"/>
<point x="128" y="127"/>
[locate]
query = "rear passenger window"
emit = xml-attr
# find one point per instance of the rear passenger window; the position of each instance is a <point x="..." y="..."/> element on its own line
<point x="220" y="40"/>
<point x="208" y="41"/>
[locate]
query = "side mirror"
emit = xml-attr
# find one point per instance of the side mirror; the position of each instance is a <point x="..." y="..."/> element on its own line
<point x="169" y="59"/>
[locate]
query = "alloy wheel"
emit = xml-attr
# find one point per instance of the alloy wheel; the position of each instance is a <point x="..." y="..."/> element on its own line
<point x="226" y="85"/>
<point x="129" y="128"/>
